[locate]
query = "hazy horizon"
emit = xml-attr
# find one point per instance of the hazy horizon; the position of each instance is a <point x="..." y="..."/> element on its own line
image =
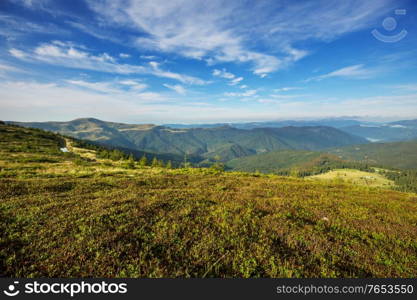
<point x="363" y="119"/>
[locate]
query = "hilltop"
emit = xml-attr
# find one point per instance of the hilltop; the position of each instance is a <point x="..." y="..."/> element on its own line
<point x="78" y="215"/>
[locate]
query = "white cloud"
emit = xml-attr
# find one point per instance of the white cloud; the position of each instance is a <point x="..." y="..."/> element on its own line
<point x="227" y="75"/>
<point x="157" y="71"/>
<point x="102" y="87"/>
<point x="248" y="93"/>
<point x="32" y="3"/>
<point x="124" y="55"/>
<point x="287" y="89"/>
<point x="223" y="74"/>
<point x="177" y="88"/>
<point x="17" y="53"/>
<point x="148" y="57"/>
<point x="243" y="86"/>
<point x="268" y="101"/>
<point x="69" y="55"/>
<point x="235" y="81"/>
<point x="133" y="84"/>
<point x="13" y="27"/>
<point x="8" y="68"/>
<point x="280" y="96"/>
<point x="98" y="32"/>
<point x="110" y="87"/>
<point x="225" y="31"/>
<point x="355" y="72"/>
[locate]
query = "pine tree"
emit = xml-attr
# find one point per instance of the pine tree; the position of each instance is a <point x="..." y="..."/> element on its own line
<point x="168" y="165"/>
<point x="186" y="164"/>
<point x="131" y="161"/>
<point x="143" y="161"/>
<point x="155" y="162"/>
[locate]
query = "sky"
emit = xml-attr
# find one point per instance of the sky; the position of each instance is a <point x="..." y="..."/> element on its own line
<point x="195" y="61"/>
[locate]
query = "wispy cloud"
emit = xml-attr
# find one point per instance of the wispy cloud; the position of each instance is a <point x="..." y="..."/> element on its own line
<point x="6" y="68"/>
<point x="223" y="74"/>
<point x="33" y="4"/>
<point x="406" y="87"/>
<point x="17" y="53"/>
<point x="96" y="32"/>
<point x="287" y="89"/>
<point x="233" y="79"/>
<point x="354" y="72"/>
<point x="223" y="31"/>
<point x="248" y="93"/>
<point x="177" y="88"/>
<point x="69" y="55"/>
<point x="149" y="57"/>
<point x="13" y="27"/>
<point x="280" y="96"/>
<point x="110" y="87"/>
<point x="133" y="84"/>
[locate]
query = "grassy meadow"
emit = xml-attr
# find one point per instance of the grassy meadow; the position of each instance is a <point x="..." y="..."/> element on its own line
<point x="356" y="177"/>
<point x="74" y="215"/>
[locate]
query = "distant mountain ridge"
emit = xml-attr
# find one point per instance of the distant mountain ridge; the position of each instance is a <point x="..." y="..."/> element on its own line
<point x="330" y="122"/>
<point x="225" y="142"/>
<point x="385" y="132"/>
<point x="372" y="131"/>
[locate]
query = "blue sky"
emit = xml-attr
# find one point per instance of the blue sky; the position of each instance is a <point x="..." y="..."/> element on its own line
<point x="207" y="61"/>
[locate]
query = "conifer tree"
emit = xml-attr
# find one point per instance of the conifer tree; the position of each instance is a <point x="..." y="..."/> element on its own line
<point x="155" y="162"/>
<point x="143" y="161"/>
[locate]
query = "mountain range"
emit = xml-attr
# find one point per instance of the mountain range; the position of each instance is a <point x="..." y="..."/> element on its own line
<point x="223" y="142"/>
<point x="372" y="131"/>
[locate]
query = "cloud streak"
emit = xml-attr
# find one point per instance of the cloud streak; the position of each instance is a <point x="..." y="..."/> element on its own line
<point x="69" y="55"/>
<point x="233" y="79"/>
<point x="353" y="72"/>
<point x="177" y="88"/>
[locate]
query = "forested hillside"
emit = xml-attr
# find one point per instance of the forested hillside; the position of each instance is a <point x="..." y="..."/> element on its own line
<point x="394" y="155"/>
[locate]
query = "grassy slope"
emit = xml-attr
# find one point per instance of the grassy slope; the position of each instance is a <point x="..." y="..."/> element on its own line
<point x="396" y="155"/>
<point x="355" y="177"/>
<point x="62" y="218"/>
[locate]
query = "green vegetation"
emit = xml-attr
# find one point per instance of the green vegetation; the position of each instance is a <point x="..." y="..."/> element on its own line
<point x="401" y="155"/>
<point x="356" y="177"/>
<point x="272" y="162"/>
<point x="59" y="218"/>
<point x="405" y="181"/>
<point x="293" y="162"/>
